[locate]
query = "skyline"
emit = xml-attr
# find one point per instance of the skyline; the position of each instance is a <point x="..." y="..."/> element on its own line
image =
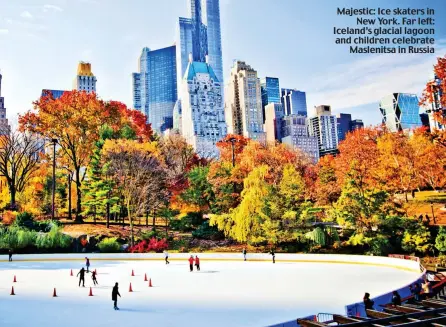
<point x="348" y="83"/>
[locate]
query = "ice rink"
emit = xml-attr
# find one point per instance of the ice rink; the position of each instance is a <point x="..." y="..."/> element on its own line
<point x="224" y="293"/>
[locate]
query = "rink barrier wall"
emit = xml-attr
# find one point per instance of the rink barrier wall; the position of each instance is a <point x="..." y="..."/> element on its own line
<point x="260" y="257"/>
<point x="358" y="309"/>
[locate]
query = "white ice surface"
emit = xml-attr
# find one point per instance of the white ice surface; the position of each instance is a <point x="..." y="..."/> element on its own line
<point x="222" y="294"/>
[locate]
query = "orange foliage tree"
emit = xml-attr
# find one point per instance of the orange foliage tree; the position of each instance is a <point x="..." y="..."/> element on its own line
<point x="75" y="120"/>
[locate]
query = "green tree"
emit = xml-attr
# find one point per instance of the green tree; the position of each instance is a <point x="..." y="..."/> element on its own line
<point x="417" y="238"/>
<point x="440" y="241"/>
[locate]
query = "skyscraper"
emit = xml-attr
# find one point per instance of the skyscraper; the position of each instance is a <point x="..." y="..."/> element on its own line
<point x="4" y="126"/>
<point x="270" y="92"/>
<point x="356" y="124"/>
<point x="294" y="102"/>
<point x="343" y="122"/>
<point x="273" y="122"/>
<point x="202" y="114"/>
<point x="200" y="35"/>
<point x="324" y="127"/>
<point x="85" y="80"/>
<point x="400" y="111"/>
<point x="155" y="86"/>
<point x="295" y="134"/>
<point x="56" y="94"/>
<point x="243" y="102"/>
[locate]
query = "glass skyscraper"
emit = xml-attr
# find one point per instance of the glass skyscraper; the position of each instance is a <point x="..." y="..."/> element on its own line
<point x="400" y="111"/>
<point x="270" y="92"/>
<point x="294" y="102"/>
<point x="200" y="36"/>
<point x="155" y="87"/>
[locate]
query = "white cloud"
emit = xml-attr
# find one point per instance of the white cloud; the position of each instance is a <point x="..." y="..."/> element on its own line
<point x="367" y="80"/>
<point x="4" y="31"/>
<point x="47" y="8"/>
<point x="26" y="14"/>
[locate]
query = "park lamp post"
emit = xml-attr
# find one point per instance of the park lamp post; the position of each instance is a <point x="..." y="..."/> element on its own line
<point x="54" y="142"/>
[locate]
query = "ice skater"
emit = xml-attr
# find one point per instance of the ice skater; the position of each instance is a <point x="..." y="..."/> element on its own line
<point x="115" y="294"/>
<point x="93" y="277"/>
<point x="191" y="263"/>
<point x="244" y="254"/>
<point x="197" y="262"/>
<point x="274" y="255"/>
<point x="166" y="257"/>
<point x="81" y="275"/>
<point x="10" y="254"/>
<point x="87" y="263"/>
<point x="368" y="303"/>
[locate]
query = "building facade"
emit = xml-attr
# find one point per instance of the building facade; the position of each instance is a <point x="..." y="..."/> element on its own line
<point x="56" y="94"/>
<point x="243" y="103"/>
<point x="202" y="113"/>
<point x="294" y="102"/>
<point x="324" y="127"/>
<point x="295" y="134"/>
<point x="436" y="106"/>
<point x="400" y="111"/>
<point x="273" y="122"/>
<point x="344" y="125"/>
<point x="200" y="35"/>
<point x="85" y="79"/>
<point x="155" y="87"/>
<point x="5" y="129"/>
<point x="356" y="124"/>
<point x="270" y="92"/>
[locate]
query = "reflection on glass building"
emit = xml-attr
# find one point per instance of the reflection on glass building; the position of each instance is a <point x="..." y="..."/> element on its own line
<point x="155" y="87"/>
<point x="56" y="94"/>
<point x="270" y="92"/>
<point x="294" y="102"/>
<point x="400" y="111"/>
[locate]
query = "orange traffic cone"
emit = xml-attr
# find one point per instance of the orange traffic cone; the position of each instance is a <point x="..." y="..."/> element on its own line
<point x="130" y="288"/>
<point x="15" y="279"/>
<point x="71" y="273"/>
<point x="145" y="277"/>
<point x="91" y="292"/>
<point x="12" y="291"/>
<point x="150" y="282"/>
<point x="133" y="273"/>
<point x="54" y="293"/>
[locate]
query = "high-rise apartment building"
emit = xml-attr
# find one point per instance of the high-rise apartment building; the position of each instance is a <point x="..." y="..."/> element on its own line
<point x="273" y="122"/>
<point x="202" y="113"/>
<point x="436" y="106"/>
<point x="400" y="111"/>
<point x="343" y="122"/>
<point x="243" y="102"/>
<point x="294" y="102"/>
<point x="200" y="35"/>
<point x="270" y="92"/>
<point x="324" y="127"/>
<point x="295" y="134"/>
<point x="155" y="86"/>
<point x="56" y="94"/>
<point x="85" y="80"/>
<point x="356" y="124"/>
<point x="4" y="126"/>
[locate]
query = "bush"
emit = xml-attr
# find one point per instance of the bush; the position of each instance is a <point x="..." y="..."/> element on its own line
<point x="24" y="220"/>
<point x="8" y="217"/>
<point x="187" y="223"/>
<point x="54" y="239"/>
<point x="147" y="235"/>
<point x="109" y="245"/>
<point x="155" y="245"/>
<point x="16" y="238"/>
<point x="440" y="240"/>
<point x="207" y="232"/>
<point x="380" y="245"/>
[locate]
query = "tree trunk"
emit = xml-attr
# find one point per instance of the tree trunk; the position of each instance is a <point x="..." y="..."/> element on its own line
<point x="167" y="227"/>
<point x="153" y="219"/>
<point x="69" y="196"/>
<point x="12" y="192"/>
<point x="79" y="197"/>
<point x="147" y="219"/>
<point x="132" y="240"/>
<point x="108" y="215"/>
<point x="405" y="193"/>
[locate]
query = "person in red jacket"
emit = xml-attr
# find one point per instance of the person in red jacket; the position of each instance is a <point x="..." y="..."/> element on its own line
<point x="197" y="263"/>
<point x="191" y="263"/>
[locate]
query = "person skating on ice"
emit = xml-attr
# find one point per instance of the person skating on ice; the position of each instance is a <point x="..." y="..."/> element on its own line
<point x="191" y="263"/>
<point x="93" y="277"/>
<point x="115" y="293"/>
<point x="197" y="263"/>
<point x="244" y="254"/>
<point x="166" y="257"/>
<point x="81" y="275"/>
<point x="10" y="254"/>
<point x="273" y="255"/>
<point x="87" y="263"/>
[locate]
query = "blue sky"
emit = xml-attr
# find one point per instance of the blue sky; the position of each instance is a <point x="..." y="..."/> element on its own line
<point x="41" y="42"/>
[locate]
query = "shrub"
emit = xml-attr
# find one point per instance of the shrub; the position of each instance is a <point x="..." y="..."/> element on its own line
<point x="155" y="245"/>
<point x="440" y="240"/>
<point x="8" y="217"/>
<point x="54" y="239"/>
<point x="187" y="223"/>
<point x="109" y="245"/>
<point x="207" y="232"/>
<point x="147" y="235"/>
<point x="24" y="220"/>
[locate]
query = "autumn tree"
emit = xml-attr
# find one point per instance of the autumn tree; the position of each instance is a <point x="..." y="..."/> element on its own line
<point x="138" y="172"/>
<point x="326" y="186"/>
<point x="74" y="120"/>
<point x="19" y="157"/>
